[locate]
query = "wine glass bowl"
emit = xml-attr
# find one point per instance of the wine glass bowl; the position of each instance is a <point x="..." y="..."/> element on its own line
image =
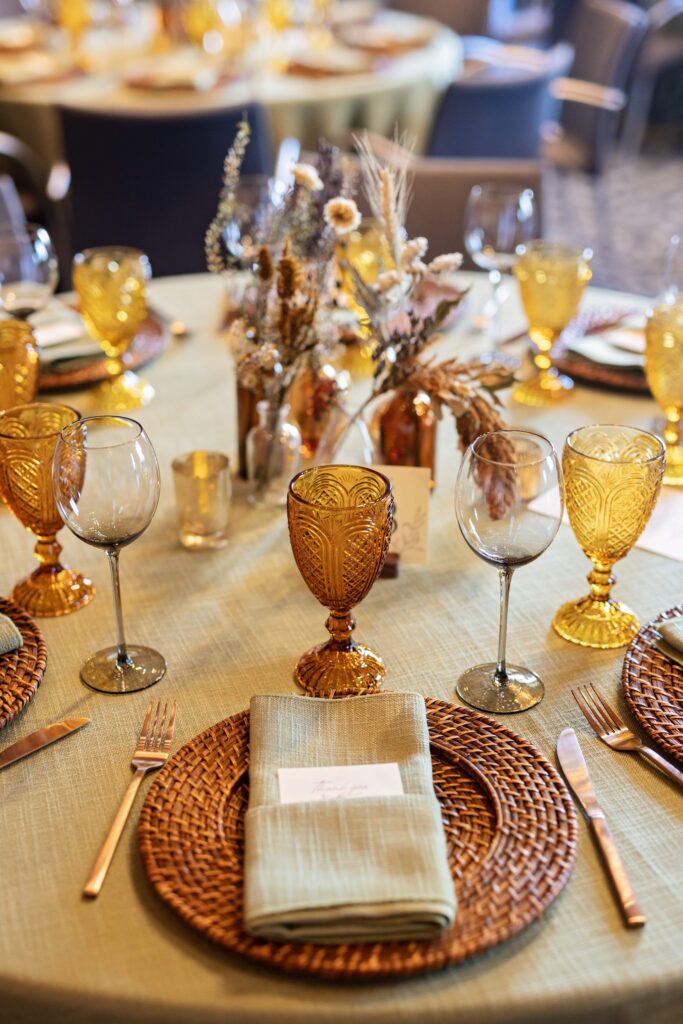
<point x="340" y="520"/>
<point x="106" y="485"/>
<point x="29" y="269"/>
<point x="111" y="285"/>
<point x="19" y="364"/>
<point x="612" y="478"/>
<point x="664" y="373"/>
<point x="551" y="277"/>
<point x="28" y="437"/>
<point x="502" y="473"/>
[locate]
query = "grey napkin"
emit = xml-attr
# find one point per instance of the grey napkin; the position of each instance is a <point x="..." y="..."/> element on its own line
<point x="672" y="631"/>
<point x="10" y="637"/>
<point x="344" y="870"/>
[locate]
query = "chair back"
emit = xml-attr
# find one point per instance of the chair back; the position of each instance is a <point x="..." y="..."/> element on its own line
<point x="466" y="17"/>
<point x="152" y="182"/>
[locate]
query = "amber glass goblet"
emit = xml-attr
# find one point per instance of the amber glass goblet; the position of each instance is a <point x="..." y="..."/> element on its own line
<point x="612" y="476"/>
<point x="664" y="372"/>
<point x="28" y="437"/>
<point x="111" y="284"/>
<point x="340" y="520"/>
<point x="551" y="278"/>
<point x="19" y="364"/>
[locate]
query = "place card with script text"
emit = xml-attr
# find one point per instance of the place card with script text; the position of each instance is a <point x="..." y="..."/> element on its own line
<point x="338" y="782"/>
<point x="410" y="485"/>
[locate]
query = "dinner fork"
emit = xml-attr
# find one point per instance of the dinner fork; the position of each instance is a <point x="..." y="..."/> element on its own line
<point x="151" y="752"/>
<point x="611" y="730"/>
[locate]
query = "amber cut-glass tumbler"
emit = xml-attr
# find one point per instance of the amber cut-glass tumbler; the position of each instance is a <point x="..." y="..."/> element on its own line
<point x="340" y="520"/>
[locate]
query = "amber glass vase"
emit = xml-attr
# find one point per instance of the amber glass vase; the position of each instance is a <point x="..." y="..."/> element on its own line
<point x="340" y="520"/>
<point x="612" y="476"/>
<point x="19" y="364"/>
<point x="404" y="428"/>
<point x="28" y="437"/>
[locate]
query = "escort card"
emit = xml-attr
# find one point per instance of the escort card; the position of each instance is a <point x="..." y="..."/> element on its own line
<point x="338" y="782"/>
<point x="410" y="485"/>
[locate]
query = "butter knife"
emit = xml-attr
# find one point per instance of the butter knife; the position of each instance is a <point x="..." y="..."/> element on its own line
<point x="575" y="770"/>
<point x="39" y="739"/>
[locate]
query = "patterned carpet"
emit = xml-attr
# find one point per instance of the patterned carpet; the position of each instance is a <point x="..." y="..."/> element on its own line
<point x="627" y="217"/>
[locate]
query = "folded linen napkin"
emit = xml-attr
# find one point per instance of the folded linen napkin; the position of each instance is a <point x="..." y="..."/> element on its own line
<point x="344" y="870"/>
<point x="10" y="637"/>
<point x="672" y="631"/>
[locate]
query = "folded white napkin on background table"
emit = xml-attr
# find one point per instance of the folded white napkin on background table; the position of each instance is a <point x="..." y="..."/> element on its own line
<point x="344" y="870"/>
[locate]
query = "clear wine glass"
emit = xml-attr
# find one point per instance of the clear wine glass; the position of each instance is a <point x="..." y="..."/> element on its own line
<point x="498" y="218"/>
<point x="673" y="271"/>
<point x="106" y="484"/>
<point x="28" y="269"/>
<point x="502" y="474"/>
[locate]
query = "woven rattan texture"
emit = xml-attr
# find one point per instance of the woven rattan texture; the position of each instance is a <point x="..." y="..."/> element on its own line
<point x="653" y="686"/>
<point x="509" y="821"/>
<point x="148" y="343"/>
<point x="587" y="372"/>
<point x="22" y="670"/>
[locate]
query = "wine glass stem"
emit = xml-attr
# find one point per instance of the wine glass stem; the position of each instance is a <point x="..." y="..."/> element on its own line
<point x="505" y="575"/>
<point x="122" y="654"/>
<point x="495" y="278"/>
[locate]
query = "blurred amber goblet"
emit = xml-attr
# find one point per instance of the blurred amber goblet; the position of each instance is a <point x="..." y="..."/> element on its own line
<point x="664" y="372"/>
<point x="340" y="520"/>
<point x="28" y="437"/>
<point x="19" y="364"/>
<point x="612" y="476"/>
<point x="111" y="284"/>
<point x="551" y="278"/>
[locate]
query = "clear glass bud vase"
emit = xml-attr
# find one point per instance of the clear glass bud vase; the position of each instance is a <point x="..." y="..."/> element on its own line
<point x="273" y="455"/>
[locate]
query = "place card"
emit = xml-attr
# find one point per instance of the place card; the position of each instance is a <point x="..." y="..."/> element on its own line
<point x="338" y="782"/>
<point x="411" y="489"/>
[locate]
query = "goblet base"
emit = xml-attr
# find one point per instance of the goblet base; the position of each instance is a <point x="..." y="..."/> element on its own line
<point x="106" y="674"/>
<point x="545" y="389"/>
<point x="479" y="687"/>
<point x="123" y="393"/>
<point x="326" y="671"/>
<point x="592" y="623"/>
<point x="49" y="593"/>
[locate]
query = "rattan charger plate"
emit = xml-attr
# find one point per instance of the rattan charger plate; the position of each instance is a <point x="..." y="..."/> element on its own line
<point x="509" y="821"/>
<point x="149" y="342"/>
<point x="630" y="381"/>
<point x="22" y="670"/>
<point x="653" y="687"/>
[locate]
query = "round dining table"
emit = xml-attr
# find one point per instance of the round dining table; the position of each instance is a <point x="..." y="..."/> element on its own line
<point x="397" y="92"/>
<point x="231" y="623"/>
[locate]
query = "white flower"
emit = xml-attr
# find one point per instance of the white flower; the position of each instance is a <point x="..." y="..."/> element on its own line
<point x="342" y="215"/>
<point x="414" y="248"/>
<point x="388" y="280"/>
<point x="307" y="176"/>
<point x="449" y="261"/>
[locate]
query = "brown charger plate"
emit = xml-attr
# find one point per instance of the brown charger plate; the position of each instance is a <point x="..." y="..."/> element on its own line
<point x="653" y="687"/>
<point x="510" y="830"/>
<point x="148" y="343"/>
<point x="22" y="670"/>
<point x="586" y="372"/>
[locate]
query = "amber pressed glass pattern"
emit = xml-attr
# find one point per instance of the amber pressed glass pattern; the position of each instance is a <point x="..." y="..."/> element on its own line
<point x="19" y="364"/>
<point x="612" y="476"/>
<point x="28" y="437"/>
<point x="340" y="520"/>
<point x="551" y="279"/>
<point x="111" y="288"/>
<point x="664" y="372"/>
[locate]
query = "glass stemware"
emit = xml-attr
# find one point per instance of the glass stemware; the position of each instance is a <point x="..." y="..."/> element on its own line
<point x="340" y="520"/>
<point x="551" y="277"/>
<point x="498" y="218"/>
<point x="111" y="284"/>
<point x="106" y="484"/>
<point x="673" y="271"/>
<point x="28" y="269"/>
<point x="501" y="475"/>
<point x="19" y="364"/>
<point x="28" y="437"/>
<point x="612" y="476"/>
<point x="664" y="372"/>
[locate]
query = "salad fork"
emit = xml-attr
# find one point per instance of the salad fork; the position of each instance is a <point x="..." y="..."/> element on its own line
<point x="609" y="727"/>
<point x="151" y="752"/>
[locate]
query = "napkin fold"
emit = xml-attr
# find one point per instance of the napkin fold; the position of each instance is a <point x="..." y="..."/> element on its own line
<point x="344" y="870"/>
<point x="672" y="631"/>
<point x="10" y="637"/>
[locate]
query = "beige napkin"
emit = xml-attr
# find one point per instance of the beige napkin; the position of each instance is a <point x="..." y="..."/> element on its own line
<point x="10" y="637"/>
<point x="672" y="631"/>
<point x="344" y="870"/>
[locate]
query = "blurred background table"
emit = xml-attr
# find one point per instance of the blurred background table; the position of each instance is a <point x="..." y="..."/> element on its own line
<point x="231" y="623"/>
